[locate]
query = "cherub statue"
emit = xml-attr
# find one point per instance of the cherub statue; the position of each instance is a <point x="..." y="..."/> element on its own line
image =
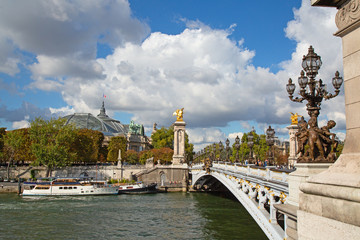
<point x="302" y="136"/>
<point x="294" y="118"/>
<point x="329" y="140"/>
<point x="179" y="114"/>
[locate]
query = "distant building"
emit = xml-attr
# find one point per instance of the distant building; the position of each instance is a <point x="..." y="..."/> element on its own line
<point x="134" y="133"/>
<point x="283" y="146"/>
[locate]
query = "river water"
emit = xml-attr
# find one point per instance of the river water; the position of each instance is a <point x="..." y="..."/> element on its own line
<point x="149" y="216"/>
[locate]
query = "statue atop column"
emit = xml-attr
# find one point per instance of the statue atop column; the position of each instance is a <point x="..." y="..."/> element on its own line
<point x="179" y="138"/>
<point x="179" y="114"/>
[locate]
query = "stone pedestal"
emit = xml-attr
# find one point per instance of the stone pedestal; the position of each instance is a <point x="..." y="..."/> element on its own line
<point x="302" y="173"/>
<point x="330" y="202"/>
<point x="179" y="143"/>
<point x="293" y="145"/>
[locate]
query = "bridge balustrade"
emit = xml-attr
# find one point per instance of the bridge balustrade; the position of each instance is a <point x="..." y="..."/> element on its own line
<point x="257" y="188"/>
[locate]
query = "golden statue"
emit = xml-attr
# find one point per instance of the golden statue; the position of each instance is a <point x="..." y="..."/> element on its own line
<point x="179" y="114"/>
<point x="294" y="118"/>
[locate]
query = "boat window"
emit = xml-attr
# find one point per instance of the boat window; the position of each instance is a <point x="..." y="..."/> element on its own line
<point x="60" y="187"/>
<point x="70" y="187"/>
<point x="82" y="191"/>
<point x="42" y="187"/>
<point x="92" y="191"/>
<point x="65" y="187"/>
<point x="75" y="187"/>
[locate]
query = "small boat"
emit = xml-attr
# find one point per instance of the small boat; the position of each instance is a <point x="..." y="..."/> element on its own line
<point x="68" y="187"/>
<point x="137" y="188"/>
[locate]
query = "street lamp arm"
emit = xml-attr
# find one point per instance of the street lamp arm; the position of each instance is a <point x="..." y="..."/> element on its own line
<point x="296" y="99"/>
<point x="329" y="95"/>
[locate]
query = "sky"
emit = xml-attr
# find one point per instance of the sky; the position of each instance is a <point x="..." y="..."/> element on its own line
<point x="225" y="62"/>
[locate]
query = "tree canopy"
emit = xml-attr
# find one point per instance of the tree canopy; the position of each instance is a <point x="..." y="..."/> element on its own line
<point x="51" y="142"/>
<point x="116" y="144"/>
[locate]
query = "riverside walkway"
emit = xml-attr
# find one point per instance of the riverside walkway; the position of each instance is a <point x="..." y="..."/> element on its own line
<point x="257" y="189"/>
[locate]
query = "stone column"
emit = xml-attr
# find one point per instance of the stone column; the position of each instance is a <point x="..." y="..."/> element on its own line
<point x="330" y="201"/>
<point x="293" y="129"/>
<point x="179" y="143"/>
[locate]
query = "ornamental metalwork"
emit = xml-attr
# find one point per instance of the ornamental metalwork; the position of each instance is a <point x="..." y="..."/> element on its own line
<point x="227" y="149"/>
<point x="270" y="140"/>
<point x="250" y="144"/>
<point x="321" y="142"/>
<point x="237" y="147"/>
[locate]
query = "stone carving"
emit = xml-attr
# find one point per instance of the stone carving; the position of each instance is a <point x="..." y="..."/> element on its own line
<point x="348" y="14"/>
<point x="294" y="118"/>
<point x="321" y="142"/>
<point x="179" y="114"/>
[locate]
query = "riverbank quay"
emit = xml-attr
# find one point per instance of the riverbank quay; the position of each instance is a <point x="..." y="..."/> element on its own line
<point x="168" y="178"/>
<point x="9" y="187"/>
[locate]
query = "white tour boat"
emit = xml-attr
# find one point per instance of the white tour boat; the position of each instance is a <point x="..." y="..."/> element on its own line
<point x="68" y="187"/>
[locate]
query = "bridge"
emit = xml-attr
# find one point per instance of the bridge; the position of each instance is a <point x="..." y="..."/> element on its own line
<point x="258" y="189"/>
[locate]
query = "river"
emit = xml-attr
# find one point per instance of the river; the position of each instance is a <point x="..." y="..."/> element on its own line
<point x="151" y="216"/>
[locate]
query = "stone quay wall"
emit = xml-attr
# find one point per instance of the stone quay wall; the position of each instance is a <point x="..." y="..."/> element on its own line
<point x="96" y="172"/>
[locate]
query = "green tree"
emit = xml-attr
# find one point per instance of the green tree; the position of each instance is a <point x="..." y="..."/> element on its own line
<point x="116" y="144"/>
<point x="2" y="136"/>
<point x="51" y="143"/>
<point x="132" y="157"/>
<point x="87" y="145"/>
<point x="17" y="147"/>
<point x="144" y="155"/>
<point x="163" y="137"/>
<point x="259" y="149"/>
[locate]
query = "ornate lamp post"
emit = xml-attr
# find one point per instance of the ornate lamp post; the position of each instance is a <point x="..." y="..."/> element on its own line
<point x="214" y="151"/>
<point x="242" y="152"/>
<point x="270" y="135"/>
<point x="237" y="146"/>
<point x="320" y="141"/>
<point x="227" y="149"/>
<point x="250" y="143"/>
<point x="221" y="149"/>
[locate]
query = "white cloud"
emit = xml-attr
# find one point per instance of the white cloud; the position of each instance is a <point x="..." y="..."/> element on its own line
<point x="62" y="111"/>
<point x="21" y="124"/>
<point x="64" y="35"/>
<point x="202" y="137"/>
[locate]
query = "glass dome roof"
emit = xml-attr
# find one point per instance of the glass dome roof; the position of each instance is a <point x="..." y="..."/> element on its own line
<point x="102" y="122"/>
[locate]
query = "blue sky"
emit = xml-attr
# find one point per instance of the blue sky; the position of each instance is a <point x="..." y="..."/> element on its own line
<point x="226" y="62"/>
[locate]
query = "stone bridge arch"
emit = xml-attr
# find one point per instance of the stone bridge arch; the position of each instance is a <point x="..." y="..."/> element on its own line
<point x="246" y="194"/>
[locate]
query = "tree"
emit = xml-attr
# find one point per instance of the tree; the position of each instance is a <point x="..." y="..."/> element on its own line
<point x="132" y="157"/>
<point x="259" y="149"/>
<point x="189" y="149"/>
<point x="51" y="143"/>
<point x="163" y="137"/>
<point x="2" y="136"/>
<point x="17" y="147"/>
<point x="144" y="155"/>
<point x="87" y="145"/>
<point x="116" y="144"/>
